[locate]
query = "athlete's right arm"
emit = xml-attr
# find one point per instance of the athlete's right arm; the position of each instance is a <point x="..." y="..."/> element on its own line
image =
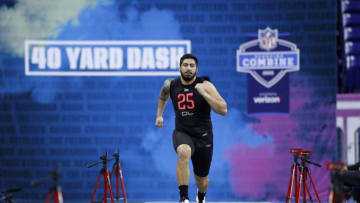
<point x="163" y="98"/>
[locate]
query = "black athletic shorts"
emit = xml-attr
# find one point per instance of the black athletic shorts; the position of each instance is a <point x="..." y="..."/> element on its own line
<point x="201" y="150"/>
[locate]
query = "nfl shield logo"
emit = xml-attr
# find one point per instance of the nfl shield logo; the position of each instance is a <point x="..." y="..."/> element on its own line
<point x="268" y="38"/>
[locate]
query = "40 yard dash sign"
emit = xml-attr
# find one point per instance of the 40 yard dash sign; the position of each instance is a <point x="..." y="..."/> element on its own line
<point x="104" y="58"/>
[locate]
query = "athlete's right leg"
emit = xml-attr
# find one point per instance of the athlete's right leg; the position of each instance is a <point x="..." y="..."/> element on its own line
<point x="184" y="148"/>
<point x="182" y="166"/>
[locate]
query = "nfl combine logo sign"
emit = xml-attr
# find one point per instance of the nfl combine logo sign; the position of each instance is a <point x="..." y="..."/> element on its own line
<point x="267" y="58"/>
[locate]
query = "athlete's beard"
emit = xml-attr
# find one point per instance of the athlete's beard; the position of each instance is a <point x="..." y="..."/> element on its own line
<point x="187" y="78"/>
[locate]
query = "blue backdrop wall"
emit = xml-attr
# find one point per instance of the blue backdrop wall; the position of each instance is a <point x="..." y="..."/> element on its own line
<point x="71" y="121"/>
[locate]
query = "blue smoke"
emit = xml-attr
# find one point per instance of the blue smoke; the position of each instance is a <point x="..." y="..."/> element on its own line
<point x="109" y="20"/>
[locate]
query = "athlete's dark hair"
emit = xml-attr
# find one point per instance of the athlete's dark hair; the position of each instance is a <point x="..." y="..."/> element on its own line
<point x="188" y="56"/>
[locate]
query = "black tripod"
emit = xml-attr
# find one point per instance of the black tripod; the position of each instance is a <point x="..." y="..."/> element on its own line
<point x="103" y="172"/>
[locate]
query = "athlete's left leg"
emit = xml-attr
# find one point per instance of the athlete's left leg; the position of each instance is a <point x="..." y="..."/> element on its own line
<point x="201" y="160"/>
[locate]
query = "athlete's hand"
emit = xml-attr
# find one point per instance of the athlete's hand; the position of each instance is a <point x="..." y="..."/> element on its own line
<point x="201" y="88"/>
<point x="159" y="121"/>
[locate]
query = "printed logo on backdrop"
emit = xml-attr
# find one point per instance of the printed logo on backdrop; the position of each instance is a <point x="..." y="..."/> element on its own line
<point x="104" y="58"/>
<point x="267" y="59"/>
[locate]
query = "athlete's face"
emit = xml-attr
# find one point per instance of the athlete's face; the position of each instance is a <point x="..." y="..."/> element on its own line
<point x="188" y="69"/>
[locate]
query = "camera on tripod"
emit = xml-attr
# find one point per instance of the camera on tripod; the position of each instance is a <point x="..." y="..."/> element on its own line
<point x="300" y="183"/>
<point x="335" y="166"/>
<point x="305" y="153"/>
<point x="295" y="151"/>
<point x="300" y="152"/>
<point x="305" y="156"/>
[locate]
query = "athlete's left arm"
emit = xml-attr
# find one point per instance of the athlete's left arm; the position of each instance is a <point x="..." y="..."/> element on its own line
<point x="212" y="96"/>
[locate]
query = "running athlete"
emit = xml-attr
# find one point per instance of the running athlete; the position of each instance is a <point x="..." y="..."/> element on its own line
<point x="192" y="98"/>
